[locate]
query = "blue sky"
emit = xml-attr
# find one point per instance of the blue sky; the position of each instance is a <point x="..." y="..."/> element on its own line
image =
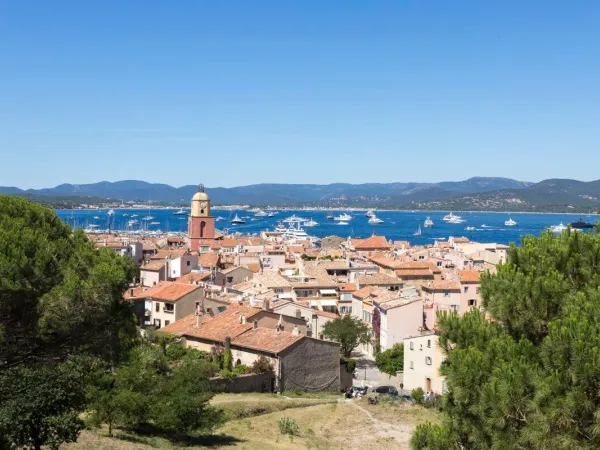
<point x="242" y="92"/>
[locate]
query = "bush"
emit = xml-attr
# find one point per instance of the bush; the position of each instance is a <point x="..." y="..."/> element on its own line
<point x="262" y="365"/>
<point x="288" y="426"/>
<point x="434" y="401"/>
<point x="391" y="361"/>
<point x="418" y="395"/>
<point x="349" y="363"/>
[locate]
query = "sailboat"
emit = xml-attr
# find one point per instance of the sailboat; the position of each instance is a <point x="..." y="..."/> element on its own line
<point x="418" y="232"/>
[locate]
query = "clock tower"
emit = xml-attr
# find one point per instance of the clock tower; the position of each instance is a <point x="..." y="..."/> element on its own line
<point x="201" y="225"/>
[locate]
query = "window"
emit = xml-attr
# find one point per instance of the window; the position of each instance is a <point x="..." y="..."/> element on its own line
<point x="174" y="271"/>
<point x="439" y="264"/>
<point x="188" y="263"/>
<point x="421" y="347"/>
<point x="477" y="290"/>
<point x="412" y="366"/>
<point x="167" y="322"/>
<point x="221" y="309"/>
<point x="472" y="302"/>
<point x="157" y="323"/>
<point x="455" y="308"/>
<point x="412" y="346"/>
<point x="428" y="360"/>
<point x="169" y="308"/>
<point x="157" y="307"/>
<point x="421" y="257"/>
<point x="345" y="309"/>
<point x="466" y="289"/>
<point x="230" y="279"/>
<point x="278" y="290"/>
<point x="446" y="293"/>
<point x="428" y="343"/>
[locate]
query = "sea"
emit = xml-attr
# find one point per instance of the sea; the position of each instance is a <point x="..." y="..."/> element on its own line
<point x="397" y="225"/>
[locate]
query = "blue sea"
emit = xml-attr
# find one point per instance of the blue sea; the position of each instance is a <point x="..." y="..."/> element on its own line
<point x="398" y="225"/>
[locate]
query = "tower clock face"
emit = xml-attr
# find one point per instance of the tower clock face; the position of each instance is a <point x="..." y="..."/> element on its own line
<point x="203" y="204"/>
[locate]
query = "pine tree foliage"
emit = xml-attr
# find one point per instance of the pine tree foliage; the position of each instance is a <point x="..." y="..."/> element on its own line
<point x="526" y="373"/>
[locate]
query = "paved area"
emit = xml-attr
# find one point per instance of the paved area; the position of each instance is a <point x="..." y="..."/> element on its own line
<point x="366" y="373"/>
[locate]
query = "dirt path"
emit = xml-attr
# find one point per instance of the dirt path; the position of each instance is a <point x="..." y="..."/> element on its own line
<point x="400" y="432"/>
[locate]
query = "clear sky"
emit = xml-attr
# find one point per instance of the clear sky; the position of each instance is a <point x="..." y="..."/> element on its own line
<point x="241" y="92"/>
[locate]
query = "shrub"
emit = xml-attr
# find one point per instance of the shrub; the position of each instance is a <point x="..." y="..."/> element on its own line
<point x="288" y="426"/>
<point x="262" y="365"/>
<point x="227" y="360"/>
<point x="349" y="363"/>
<point x="418" y="395"/>
<point x="241" y="369"/>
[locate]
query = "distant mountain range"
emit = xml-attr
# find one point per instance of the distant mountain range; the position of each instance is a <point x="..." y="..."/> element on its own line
<point x="478" y="193"/>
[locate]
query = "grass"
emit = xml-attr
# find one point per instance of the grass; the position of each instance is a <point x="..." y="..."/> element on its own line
<point x="322" y="424"/>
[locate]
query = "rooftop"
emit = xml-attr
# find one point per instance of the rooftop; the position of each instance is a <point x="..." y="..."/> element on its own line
<point x="266" y="339"/>
<point x="171" y="290"/>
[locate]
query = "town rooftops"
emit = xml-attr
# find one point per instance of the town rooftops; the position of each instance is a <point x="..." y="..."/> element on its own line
<point x="170" y="291"/>
<point x="460" y="240"/>
<point x="397" y="303"/>
<point x="468" y="276"/>
<point x="208" y="260"/>
<point x="442" y="285"/>
<point x="169" y="254"/>
<point x="266" y="339"/>
<point x="385" y="261"/>
<point x="271" y="280"/>
<point x="154" y="266"/>
<point x="377" y="279"/>
<point x="193" y="277"/>
<point x="364" y="292"/>
<point x="348" y="287"/>
<point x="374" y="242"/>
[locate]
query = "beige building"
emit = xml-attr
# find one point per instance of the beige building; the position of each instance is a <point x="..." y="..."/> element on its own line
<point x="399" y="318"/>
<point x="171" y="301"/>
<point x="422" y="360"/>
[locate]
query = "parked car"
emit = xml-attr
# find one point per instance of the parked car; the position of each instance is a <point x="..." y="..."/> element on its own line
<point x="389" y="390"/>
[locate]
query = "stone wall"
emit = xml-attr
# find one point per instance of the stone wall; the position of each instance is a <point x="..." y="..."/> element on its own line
<point x="311" y="365"/>
<point x="261" y="382"/>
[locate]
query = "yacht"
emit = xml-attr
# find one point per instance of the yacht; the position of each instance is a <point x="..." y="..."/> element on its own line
<point x="374" y="220"/>
<point x="470" y="229"/>
<point x="344" y="217"/>
<point x="370" y="213"/>
<point x="154" y="223"/>
<point x="581" y="225"/>
<point x="219" y="218"/>
<point x="132" y="222"/>
<point x="111" y="212"/>
<point x="342" y="222"/>
<point x="449" y="217"/>
<point x="510" y="223"/>
<point x="293" y="219"/>
<point x="125" y="215"/>
<point x="260" y="213"/>
<point x="428" y="223"/>
<point x="418" y="232"/>
<point x="236" y="220"/>
<point x="456" y="219"/>
<point x="329" y="217"/>
<point x="296" y="233"/>
<point x="181" y="212"/>
<point x="311" y="223"/>
<point x="271" y="214"/>
<point x="280" y="228"/>
<point x="134" y="215"/>
<point x="96" y="218"/>
<point x="558" y="228"/>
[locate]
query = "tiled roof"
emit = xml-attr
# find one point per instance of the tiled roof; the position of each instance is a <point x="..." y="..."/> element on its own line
<point x="170" y="290"/>
<point x="193" y="277"/>
<point x="266" y="339"/>
<point x="378" y="242"/>
<point x="208" y="260"/>
<point x="215" y="328"/>
<point x="426" y="273"/>
<point x="166" y="254"/>
<point x="364" y="292"/>
<point x="254" y="267"/>
<point x="229" y="243"/>
<point x="377" y="279"/>
<point x="138" y="292"/>
<point x="348" y="287"/>
<point x="461" y="240"/>
<point x="468" y="276"/>
<point x="271" y="280"/>
<point x="153" y="266"/>
<point x="386" y="261"/>
<point x="406" y="244"/>
<point x="397" y="303"/>
<point x="415" y="265"/>
<point x="442" y="285"/>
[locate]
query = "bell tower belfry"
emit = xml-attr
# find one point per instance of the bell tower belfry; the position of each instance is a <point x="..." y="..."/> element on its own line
<point x="201" y="225"/>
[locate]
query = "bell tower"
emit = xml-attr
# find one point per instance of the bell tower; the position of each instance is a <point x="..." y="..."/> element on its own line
<point x="201" y="225"/>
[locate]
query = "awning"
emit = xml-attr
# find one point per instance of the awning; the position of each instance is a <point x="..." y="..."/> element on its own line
<point x="328" y="292"/>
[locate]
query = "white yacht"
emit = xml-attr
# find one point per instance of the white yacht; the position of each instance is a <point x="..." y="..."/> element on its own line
<point x="428" y="223"/>
<point x="237" y="221"/>
<point x="456" y="219"/>
<point x="558" y="228"/>
<point x="293" y="219"/>
<point x="181" y="212"/>
<point x="296" y="232"/>
<point x="470" y="229"/>
<point x="154" y="223"/>
<point x="280" y="228"/>
<point x="260" y="213"/>
<point x="342" y="222"/>
<point x="148" y="218"/>
<point x="134" y="215"/>
<point x="344" y="217"/>
<point x="370" y="214"/>
<point x="510" y="223"/>
<point x="374" y="220"/>
<point x="270" y="214"/>
<point x="219" y="218"/>
<point x="311" y="223"/>
<point x="449" y="217"/>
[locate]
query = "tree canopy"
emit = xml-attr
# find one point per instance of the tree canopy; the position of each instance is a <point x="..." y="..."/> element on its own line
<point x="391" y="360"/>
<point x="60" y="304"/>
<point x="529" y="378"/>
<point x="349" y="331"/>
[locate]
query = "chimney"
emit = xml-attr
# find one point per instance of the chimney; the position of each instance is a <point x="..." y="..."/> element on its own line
<point x="255" y="324"/>
<point x="296" y="331"/>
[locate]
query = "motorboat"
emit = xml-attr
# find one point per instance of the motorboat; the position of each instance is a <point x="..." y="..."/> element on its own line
<point x="428" y="223"/>
<point x="342" y="222"/>
<point x="311" y="223"/>
<point x="134" y="215"/>
<point x="270" y="214"/>
<point x="558" y="228"/>
<point x="418" y="232"/>
<point x="219" y="218"/>
<point x="510" y="223"/>
<point x="344" y="217"/>
<point x="180" y="212"/>
<point x="237" y="221"/>
<point x="374" y="220"/>
<point x="96" y="218"/>
<point x="329" y="217"/>
<point x="293" y="219"/>
<point x="260" y="213"/>
<point x="370" y="214"/>
<point x="470" y="229"/>
<point x="449" y="217"/>
<point x="280" y="228"/>
<point x="456" y="219"/>
<point x="111" y="212"/>
<point x="154" y="223"/>
<point x="581" y="225"/>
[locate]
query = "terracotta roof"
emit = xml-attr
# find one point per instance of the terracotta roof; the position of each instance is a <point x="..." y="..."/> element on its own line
<point x="214" y="244"/>
<point x="254" y="267"/>
<point x="215" y="328"/>
<point x="170" y="290"/>
<point x="461" y="240"/>
<point x="348" y="287"/>
<point x="266" y="339"/>
<point x="166" y="254"/>
<point x="406" y="244"/>
<point x="414" y="273"/>
<point x="138" y="292"/>
<point x="327" y="314"/>
<point x="295" y="249"/>
<point x="271" y="280"/>
<point x="386" y="261"/>
<point x="415" y="265"/>
<point x="175" y="240"/>
<point x="379" y="242"/>
<point x="193" y="277"/>
<point x="154" y="266"/>
<point x="208" y="260"/>
<point x="364" y="292"/>
<point x="440" y="244"/>
<point x="229" y="243"/>
<point x="442" y="285"/>
<point x="397" y="303"/>
<point x="468" y="276"/>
